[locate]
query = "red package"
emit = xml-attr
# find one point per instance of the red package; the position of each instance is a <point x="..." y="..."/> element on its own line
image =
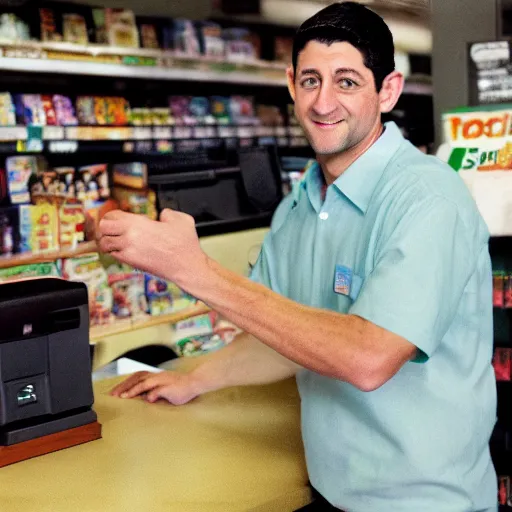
<point x="51" y="118"/>
<point x="502" y="363"/>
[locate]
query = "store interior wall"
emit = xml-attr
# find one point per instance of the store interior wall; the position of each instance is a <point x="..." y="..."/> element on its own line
<point x="454" y="25"/>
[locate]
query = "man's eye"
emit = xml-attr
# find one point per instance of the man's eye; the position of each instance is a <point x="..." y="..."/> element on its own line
<point x="347" y="83"/>
<point x="309" y="83"/>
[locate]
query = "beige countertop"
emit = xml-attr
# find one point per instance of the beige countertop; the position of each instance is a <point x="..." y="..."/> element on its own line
<point x="234" y="450"/>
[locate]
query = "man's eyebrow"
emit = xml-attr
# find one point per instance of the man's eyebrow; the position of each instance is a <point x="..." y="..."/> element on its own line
<point x="309" y="71"/>
<point x="349" y="71"/>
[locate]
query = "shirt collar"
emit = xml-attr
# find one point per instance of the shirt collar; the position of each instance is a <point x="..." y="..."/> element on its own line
<point x="360" y="179"/>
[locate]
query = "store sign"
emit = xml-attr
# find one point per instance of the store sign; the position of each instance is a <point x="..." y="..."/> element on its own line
<point x="490" y="72"/>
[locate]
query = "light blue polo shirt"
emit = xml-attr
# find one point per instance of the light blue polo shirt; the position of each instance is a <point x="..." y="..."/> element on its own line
<point x="398" y="241"/>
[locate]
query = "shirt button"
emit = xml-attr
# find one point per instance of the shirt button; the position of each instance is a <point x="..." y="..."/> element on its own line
<point x="324" y="215"/>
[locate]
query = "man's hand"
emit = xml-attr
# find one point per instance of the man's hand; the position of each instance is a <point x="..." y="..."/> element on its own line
<point x="176" y="388"/>
<point x="168" y="248"/>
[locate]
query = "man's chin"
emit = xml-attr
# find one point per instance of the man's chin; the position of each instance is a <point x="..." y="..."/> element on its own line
<point x="324" y="150"/>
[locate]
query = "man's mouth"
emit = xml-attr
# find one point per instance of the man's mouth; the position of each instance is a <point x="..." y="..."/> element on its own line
<point x="326" y="124"/>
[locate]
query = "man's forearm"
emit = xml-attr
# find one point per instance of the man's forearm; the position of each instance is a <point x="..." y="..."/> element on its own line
<point x="245" y="361"/>
<point x="345" y="347"/>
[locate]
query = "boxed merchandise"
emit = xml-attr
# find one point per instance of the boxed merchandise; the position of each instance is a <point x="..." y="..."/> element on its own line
<point x="131" y="175"/>
<point x="121" y="28"/>
<point x="12" y="28"/>
<point x="502" y="363"/>
<point x="7" y="110"/>
<point x="49" y="110"/>
<point x="220" y="109"/>
<point x="210" y="39"/>
<point x="71" y="224"/>
<point x="30" y="110"/>
<point x="85" y="110"/>
<point x="20" y="170"/>
<point x="242" y="110"/>
<point x="148" y="36"/>
<point x="136" y="201"/>
<point x="89" y="270"/>
<point x="185" y="41"/>
<point x="34" y="270"/>
<point x="66" y="176"/>
<point x="91" y="184"/>
<point x="180" y="110"/>
<point x="64" y="111"/>
<point x="498" y="295"/>
<point x="9" y="231"/>
<point x="199" y="109"/>
<point x="39" y="227"/>
<point x="240" y="45"/>
<point x="74" y="29"/>
<point x="48" y="25"/>
<point x="158" y="295"/>
<point x="44" y="183"/>
<point x="129" y="298"/>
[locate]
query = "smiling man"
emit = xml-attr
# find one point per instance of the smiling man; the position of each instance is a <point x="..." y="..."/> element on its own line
<point x="373" y="287"/>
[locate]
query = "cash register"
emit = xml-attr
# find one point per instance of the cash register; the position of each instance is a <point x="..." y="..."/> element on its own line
<point x="46" y="394"/>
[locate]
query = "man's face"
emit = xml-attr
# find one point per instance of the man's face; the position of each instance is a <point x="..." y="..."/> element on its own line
<point x="336" y="101"/>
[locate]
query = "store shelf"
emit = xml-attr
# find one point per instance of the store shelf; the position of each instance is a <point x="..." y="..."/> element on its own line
<point x="97" y="333"/>
<point x="28" y="257"/>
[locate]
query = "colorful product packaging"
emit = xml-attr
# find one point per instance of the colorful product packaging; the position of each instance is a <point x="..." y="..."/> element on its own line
<point x="502" y="363"/>
<point x="71" y="224"/>
<point x="89" y="270"/>
<point x="74" y="29"/>
<point x="180" y="110"/>
<point x="131" y="175"/>
<point x="85" y="110"/>
<point x="20" y="170"/>
<point x="498" y="296"/>
<point x="9" y="231"/>
<point x="158" y="295"/>
<point x="129" y="298"/>
<point x="39" y="227"/>
<point x="7" y="110"/>
<point x="64" y="111"/>
<point x="142" y="202"/>
<point x="34" y="270"/>
<point x="91" y="184"/>
<point x="30" y="110"/>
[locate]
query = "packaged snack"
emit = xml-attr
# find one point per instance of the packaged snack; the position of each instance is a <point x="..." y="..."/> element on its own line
<point x="7" y="110"/>
<point x="211" y="41"/>
<point x="49" y="111"/>
<point x="71" y="224"/>
<point x="199" y="108"/>
<point x="180" y="299"/>
<point x="507" y="288"/>
<point x="502" y="363"/>
<point x="29" y="109"/>
<point x="242" y="110"/>
<point x="64" y="111"/>
<point x="283" y="47"/>
<point x="91" y="184"/>
<point x="118" y="111"/>
<point x="180" y="109"/>
<point x="100" y="110"/>
<point x="44" y="183"/>
<point x="220" y="109"/>
<point x="131" y="175"/>
<point x="34" y="270"/>
<point x="503" y="490"/>
<point x="74" y="29"/>
<point x="89" y="270"/>
<point x="121" y="28"/>
<point x="240" y="44"/>
<point x="9" y="233"/>
<point x="85" y="110"/>
<point x="39" y="231"/>
<point x="100" y="27"/>
<point x="12" y="28"/>
<point x="161" y="116"/>
<point x="136" y="201"/>
<point x="48" y="25"/>
<point x="66" y="176"/>
<point x="148" y="36"/>
<point x="128" y="294"/>
<point x="158" y="296"/>
<point x="19" y="171"/>
<point x="185" y="40"/>
<point x="498" y="294"/>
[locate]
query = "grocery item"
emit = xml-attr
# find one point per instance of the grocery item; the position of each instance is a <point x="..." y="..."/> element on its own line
<point x="74" y="29"/>
<point x="34" y="270"/>
<point x="85" y="110"/>
<point x="121" y="28"/>
<point x="210" y="38"/>
<point x="148" y="36"/>
<point x="71" y="224"/>
<point x="39" y="231"/>
<point x="19" y="172"/>
<point x="64" y="111"/>
<point x="136" y="201"/>
<point x="158" y="296"/>
<point x="30" y="110"/>
<point x="129" y="299"/>
<point x="91" y="184"/>
<point x="7" y="110"/>
<point x="184" y="38"/>
<point x="131" y="175"/>
<point x="89" y="270"/>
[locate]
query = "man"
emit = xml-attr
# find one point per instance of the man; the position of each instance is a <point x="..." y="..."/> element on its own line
<point x="373" y="287"/>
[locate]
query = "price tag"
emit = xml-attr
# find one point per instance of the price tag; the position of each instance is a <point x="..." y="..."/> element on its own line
<point x="63" y="146"/>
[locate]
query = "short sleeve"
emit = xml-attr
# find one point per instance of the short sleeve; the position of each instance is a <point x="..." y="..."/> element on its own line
<point x="420" y="273"/>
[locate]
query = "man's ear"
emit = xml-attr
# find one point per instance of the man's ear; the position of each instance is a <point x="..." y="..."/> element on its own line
<point x="390" y="92"/>
<point x="290" y="77"/>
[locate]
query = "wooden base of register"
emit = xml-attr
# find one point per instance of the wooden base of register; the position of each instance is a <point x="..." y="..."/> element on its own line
<point x="47" y="444"/>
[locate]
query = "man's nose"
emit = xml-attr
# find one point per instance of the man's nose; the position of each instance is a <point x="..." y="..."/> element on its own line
<point x="325" y="102"/>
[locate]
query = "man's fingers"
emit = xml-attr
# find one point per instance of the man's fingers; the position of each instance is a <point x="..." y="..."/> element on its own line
<point x="167" y="215"/>
<point x="128" y="383"/>
<point x="110" y="227"/>
<point x="109" y="244"/>
<point x="139" y="389"/>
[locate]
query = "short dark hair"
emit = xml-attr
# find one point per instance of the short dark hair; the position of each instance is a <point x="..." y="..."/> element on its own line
<point x="355" y="24"/>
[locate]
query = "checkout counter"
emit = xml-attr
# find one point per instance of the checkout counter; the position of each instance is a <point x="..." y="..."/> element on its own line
<point x="238" y="449"/>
